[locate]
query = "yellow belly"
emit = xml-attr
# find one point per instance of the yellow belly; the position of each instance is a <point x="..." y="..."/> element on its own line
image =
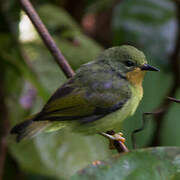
<point x="114" y="120"/>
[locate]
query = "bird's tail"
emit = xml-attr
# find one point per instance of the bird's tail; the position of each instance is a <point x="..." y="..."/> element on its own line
<point x="28" y="128"/>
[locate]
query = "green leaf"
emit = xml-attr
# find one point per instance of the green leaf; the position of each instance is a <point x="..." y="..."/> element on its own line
<point x="146" y="164"/>
<point x="59" y="154"/>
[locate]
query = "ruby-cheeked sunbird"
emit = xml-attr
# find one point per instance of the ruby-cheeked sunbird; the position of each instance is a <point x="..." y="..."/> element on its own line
<point x="97" y="99"/>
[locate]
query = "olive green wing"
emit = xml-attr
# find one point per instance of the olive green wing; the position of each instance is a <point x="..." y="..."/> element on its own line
<point x="77" y="103"/>
<point x="66" y="103"/>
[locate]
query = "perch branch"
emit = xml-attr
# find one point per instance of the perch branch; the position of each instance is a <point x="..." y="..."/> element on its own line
<point x="46" y="37"/>
<point x="120" y="147"/>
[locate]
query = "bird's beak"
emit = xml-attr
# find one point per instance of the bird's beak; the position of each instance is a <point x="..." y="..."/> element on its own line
<point x="147" y="67"/>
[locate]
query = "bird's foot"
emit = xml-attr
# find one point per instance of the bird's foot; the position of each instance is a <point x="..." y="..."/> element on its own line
<point x="118" y="137"/>
<point x="114" y="137"/>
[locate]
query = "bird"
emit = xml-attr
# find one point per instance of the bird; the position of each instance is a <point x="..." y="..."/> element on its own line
<point x="97" y="99"/>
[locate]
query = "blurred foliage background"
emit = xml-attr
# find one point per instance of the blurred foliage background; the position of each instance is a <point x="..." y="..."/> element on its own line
<point x="82" y="29"/>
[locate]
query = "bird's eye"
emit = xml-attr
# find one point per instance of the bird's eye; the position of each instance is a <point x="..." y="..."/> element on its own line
<point x="129" y="63"/>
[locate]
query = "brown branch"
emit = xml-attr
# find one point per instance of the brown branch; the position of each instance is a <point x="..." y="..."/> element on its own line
<point x="174" y="60"/>
<point x="49" y="42"/>
<point x="120" y="147"/>
<point x="174" y="99"/>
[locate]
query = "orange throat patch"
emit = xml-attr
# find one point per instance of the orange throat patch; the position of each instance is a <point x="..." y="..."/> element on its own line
<point x="136" y="77"/>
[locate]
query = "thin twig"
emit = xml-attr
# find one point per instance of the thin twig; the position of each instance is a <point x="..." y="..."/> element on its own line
<point x="174" y="99"/>
<point x="174" y="60"/>
<point x="43" y="32"/>
<point x="133" y="138"/>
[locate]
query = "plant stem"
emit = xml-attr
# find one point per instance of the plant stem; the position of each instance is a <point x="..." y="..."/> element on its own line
<point x="46" y="37"/>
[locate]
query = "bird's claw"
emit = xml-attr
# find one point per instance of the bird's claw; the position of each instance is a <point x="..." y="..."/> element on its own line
<point x="115" y="137"/>
<point x="119" y="137"/>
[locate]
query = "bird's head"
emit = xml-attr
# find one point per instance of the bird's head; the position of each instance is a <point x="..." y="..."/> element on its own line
<point x="130" y="62"/>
